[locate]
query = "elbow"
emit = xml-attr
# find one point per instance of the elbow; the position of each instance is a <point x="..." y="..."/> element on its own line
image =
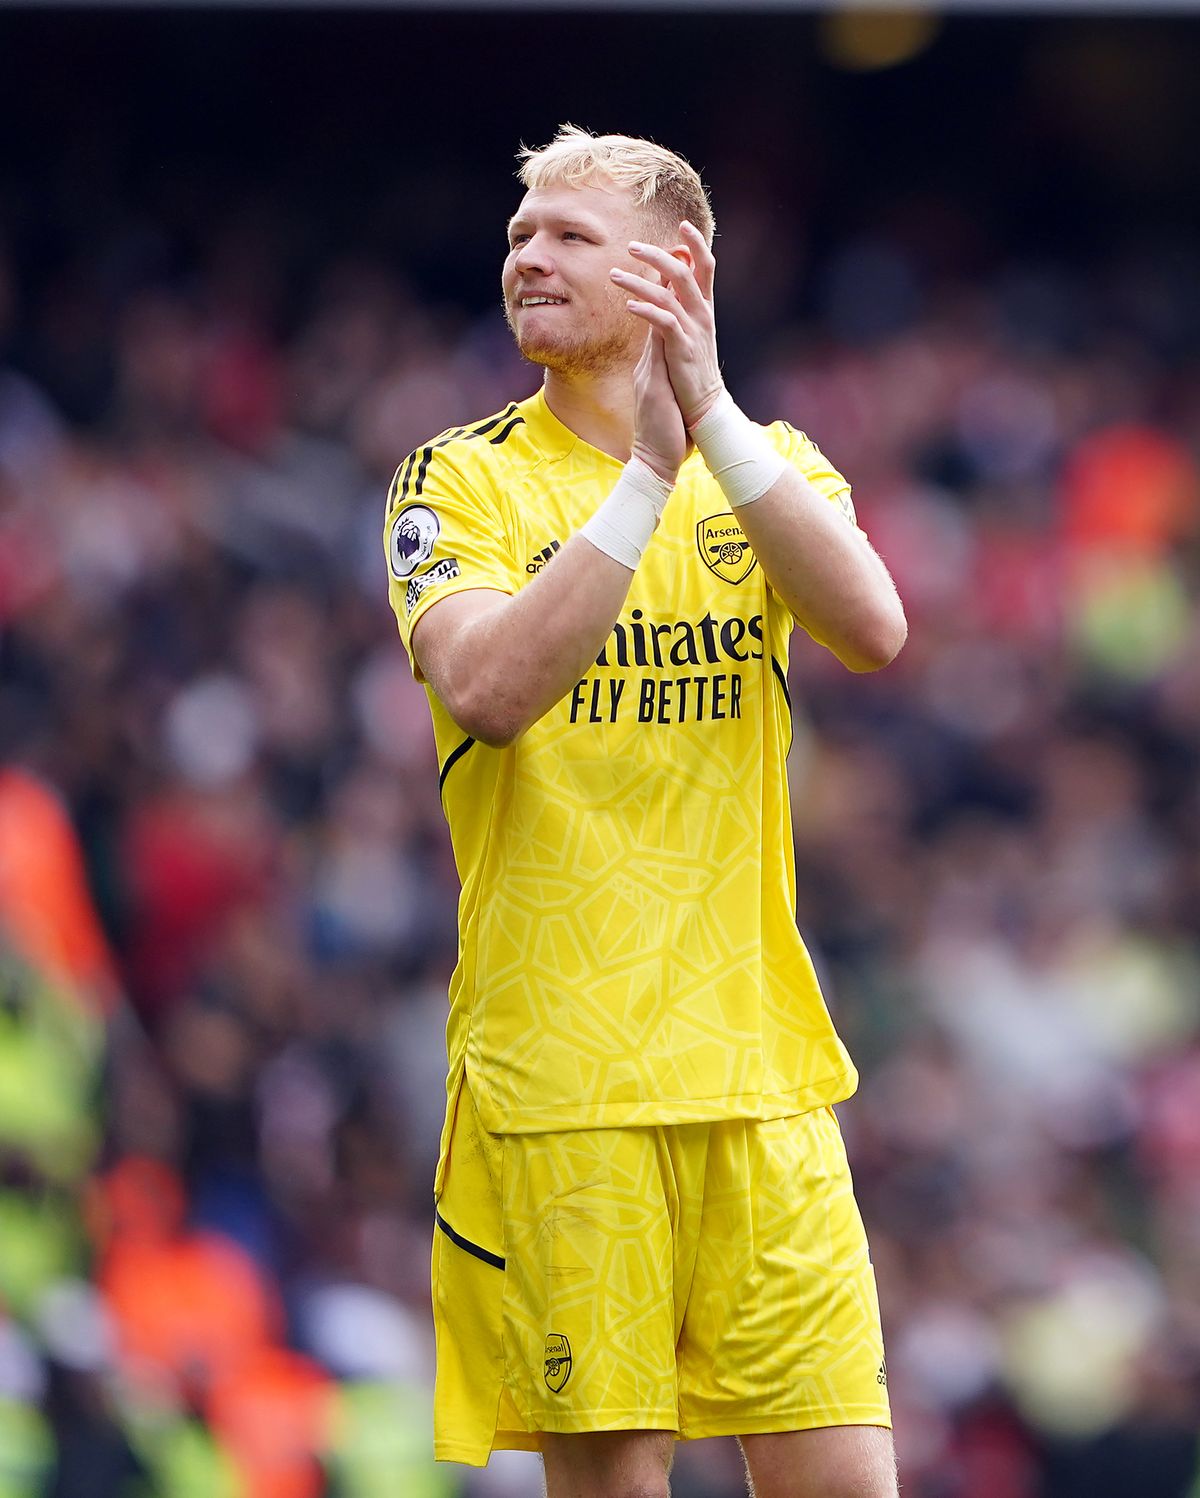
<point x="878" y="643"/>
<point x="496" y="733"/>
<point x="486" y="719"/>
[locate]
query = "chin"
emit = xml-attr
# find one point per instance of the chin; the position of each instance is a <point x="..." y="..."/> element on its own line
<point x="561" y="358"/>
<point x="542" y="351"/>
<point x="574" y="358"/>
<point x="548" y="352"/>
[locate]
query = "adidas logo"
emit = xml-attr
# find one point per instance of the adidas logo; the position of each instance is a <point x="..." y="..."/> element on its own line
<point x="542" y="557"/>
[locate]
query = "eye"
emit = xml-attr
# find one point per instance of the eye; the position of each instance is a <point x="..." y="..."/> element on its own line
<point x="517" y="239"/>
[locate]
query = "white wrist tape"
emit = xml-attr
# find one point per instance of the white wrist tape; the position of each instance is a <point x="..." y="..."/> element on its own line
<point x="738" y="455"/>
<point x="624" y="523"/>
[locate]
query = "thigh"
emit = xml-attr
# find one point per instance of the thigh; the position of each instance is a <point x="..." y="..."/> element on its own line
<point x="608" y="1465"/>
<point x="782" y="1330"/>
<point x="846" y="1461"/>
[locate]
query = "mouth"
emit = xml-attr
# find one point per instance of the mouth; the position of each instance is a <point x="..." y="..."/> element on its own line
<point x="540" y="299"/>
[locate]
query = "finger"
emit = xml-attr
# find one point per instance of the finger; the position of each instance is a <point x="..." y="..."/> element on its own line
<point x="706" y="261"/>
<point x="665" y="322"/>
<point x="676" y="272"/>
<point x="652" y="366"/>
<point x="647" y="291"/>
<point x="657" y="351"/>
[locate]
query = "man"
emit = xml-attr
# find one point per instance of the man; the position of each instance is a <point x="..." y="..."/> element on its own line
<point x="645" y="1226"/>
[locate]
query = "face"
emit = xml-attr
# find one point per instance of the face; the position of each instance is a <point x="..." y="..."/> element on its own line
<point x="563" y="242"/>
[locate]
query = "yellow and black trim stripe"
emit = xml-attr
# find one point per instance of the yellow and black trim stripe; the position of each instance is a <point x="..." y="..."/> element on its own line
<point x="505" y="432"/>
<point x="465" y="1243"/>
<point x="451" y="760"/>
<point x="781" y="677"/>
<point x="403" y="485"/>
<point x="783" y="681"/>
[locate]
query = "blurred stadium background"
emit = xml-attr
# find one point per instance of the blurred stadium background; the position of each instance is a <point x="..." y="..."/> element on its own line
<point x="247" y="260"/>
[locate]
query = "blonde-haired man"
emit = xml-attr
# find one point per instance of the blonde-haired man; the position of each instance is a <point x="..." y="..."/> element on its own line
<point x="645" y="1224"/>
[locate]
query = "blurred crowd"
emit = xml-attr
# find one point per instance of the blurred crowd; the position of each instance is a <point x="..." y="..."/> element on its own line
<point x="227" y="901"/>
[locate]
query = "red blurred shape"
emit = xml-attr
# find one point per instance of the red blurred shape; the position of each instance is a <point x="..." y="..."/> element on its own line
<point x="45" y="905"/>
<point x="272" y="1414"/>
<point x="194" y="1305"/>
<point x="1129" y="487"/>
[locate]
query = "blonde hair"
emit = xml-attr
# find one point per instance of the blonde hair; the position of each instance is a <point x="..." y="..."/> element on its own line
<point x="660" y="181"/>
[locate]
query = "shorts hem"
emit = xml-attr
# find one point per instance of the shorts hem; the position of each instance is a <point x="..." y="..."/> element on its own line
<point x="506" y="1438"/>
<point x="477" y="1455"/>
<point x="592" y="1421"/>
<point x="657" y="1112"/>
<point x="783" y="1424"/>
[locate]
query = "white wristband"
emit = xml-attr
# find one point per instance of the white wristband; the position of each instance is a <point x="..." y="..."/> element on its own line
<point x="624" y="523"/>
<point x="738" y="456"/>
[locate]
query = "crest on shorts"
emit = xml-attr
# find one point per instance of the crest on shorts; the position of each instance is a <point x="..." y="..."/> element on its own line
<point x="558" y="1362"/>
<point x="724" y="548"/>
<point x="410" y="541"/>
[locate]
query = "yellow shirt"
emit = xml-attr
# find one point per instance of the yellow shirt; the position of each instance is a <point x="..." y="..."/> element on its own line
<point x="628" y="948"/>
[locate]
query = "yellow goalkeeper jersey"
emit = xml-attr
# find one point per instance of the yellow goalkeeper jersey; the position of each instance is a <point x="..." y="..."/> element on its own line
<point x="628" y="946"/>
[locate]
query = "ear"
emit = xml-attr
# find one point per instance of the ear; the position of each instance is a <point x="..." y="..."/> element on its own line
<point x="680" y="252"/>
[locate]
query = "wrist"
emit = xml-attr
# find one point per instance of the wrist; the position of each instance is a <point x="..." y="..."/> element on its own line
<point x="704" y="406"/>
<point x="736" y="452"/>
<point x="621" y="528"/>
<point x="662" y="468"/>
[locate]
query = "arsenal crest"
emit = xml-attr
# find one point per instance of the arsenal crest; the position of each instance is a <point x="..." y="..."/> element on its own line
<point x="558" y="1361"/>
<point x="724" y="548"/>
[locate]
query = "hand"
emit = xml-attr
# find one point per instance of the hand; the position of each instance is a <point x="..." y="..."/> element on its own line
<point x="680" y="310"/>
<point x="659" y="435"/>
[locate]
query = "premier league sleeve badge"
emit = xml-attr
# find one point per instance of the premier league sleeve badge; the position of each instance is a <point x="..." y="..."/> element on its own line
<point x="411" y="540"/>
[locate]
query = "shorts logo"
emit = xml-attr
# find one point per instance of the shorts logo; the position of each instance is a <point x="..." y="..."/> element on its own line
<point x="724" y="548"/>
<point x="881" y="1376"/>
<point x="558" y="1362"/>
<point x="413" y="533"/>
<point x="440" y="572"/>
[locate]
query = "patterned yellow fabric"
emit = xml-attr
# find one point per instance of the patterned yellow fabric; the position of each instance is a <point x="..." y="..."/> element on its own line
<point x="710" y="1279"/>
<point x="629" y="953"/>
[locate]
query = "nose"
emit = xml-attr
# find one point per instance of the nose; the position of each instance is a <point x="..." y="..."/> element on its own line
<point x="534" y="255"/>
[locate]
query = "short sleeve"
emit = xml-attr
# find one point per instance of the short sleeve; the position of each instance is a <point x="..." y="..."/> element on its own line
<point x="804" y="454"/>
<point x="443" y="534"/>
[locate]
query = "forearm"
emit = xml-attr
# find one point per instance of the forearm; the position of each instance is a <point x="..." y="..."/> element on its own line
<point x="826" y="571"/>
<point x="499" y="663"/>
<point x="823" y="567"/>
<point x="508" y="665"/>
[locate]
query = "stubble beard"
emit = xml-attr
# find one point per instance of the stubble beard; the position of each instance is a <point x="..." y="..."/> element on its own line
<point x="575" y="357"/>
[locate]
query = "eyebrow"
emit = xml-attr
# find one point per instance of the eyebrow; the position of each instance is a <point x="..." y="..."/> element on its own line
<point x="587" y="226"/>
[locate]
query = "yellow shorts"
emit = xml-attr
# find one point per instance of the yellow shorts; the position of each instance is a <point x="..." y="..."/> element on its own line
<point x="710" y="1279"/>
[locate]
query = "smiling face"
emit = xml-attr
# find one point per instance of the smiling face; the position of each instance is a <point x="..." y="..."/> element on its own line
<point x="561" y="304"/>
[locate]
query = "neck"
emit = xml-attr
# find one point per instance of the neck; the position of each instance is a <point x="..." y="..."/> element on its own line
<point x="597" y="407"/>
